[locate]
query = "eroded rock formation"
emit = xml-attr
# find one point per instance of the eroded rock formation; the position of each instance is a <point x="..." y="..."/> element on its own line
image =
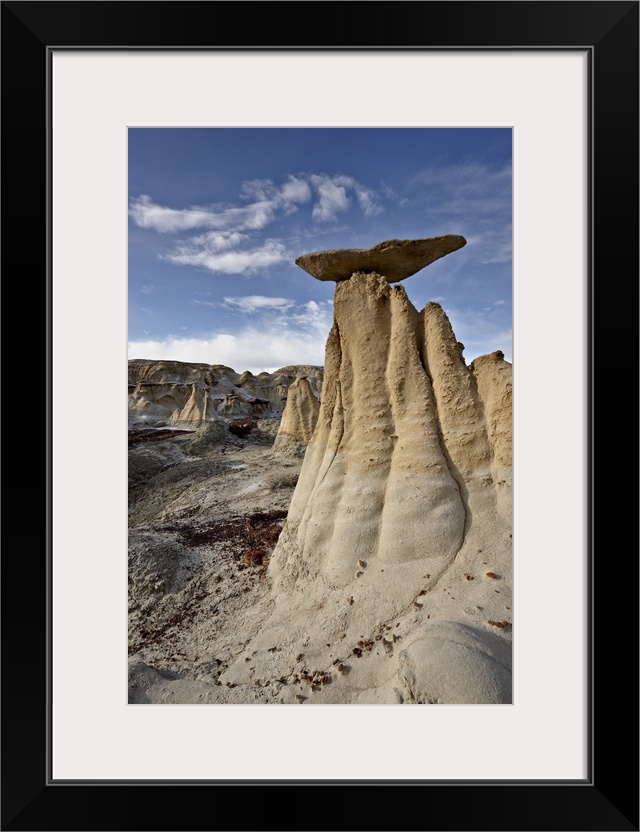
<point x="299" y="419"/>
<point x="377" y="483"/>
<point x="176" y="392"/>
<point x="404" y="494"/>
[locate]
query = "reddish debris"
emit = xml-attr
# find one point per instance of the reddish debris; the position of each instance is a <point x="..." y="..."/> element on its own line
<point x="136" y="437"/>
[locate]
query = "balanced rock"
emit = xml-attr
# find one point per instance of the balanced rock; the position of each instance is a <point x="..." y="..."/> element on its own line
<point x="375" y="483"/>
<point x="400" y="524"/>
<point x="392" y="259"/>
<point x="405" y="446"/>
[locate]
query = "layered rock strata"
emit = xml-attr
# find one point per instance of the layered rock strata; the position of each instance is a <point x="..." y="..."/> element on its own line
<point x="176" y="392"/>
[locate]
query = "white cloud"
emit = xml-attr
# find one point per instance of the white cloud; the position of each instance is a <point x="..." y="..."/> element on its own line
<point x="228" y="231"/>
<point x="250" y="349"/>
<point x="332" y="197"/>
<point x="366" y="199"/>
<point x="267" y="199"/>
<point x="258" y="189"/>
<point x="295" y="190"/>
<point x="214" y="241"/>
<point x="230" y="262"/>
<point x="257" y="303"/>
<point x="279" y="334"/>
<point x="312" y="316"/>
<point x="146" y="214"/>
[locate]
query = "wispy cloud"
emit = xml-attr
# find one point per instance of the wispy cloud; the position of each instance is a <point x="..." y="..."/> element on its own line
<point x="468" y="180"/>
<point x="257" y="303"/>
<point x="230" y="242"/>
<point x="247" y="261"/>
<point x="334" y="196"/>
<point x="494" y="244"/>
<point x="147" y="214"/>
<point x="475" y="198"/>
<point x="295" y="191"/>
<point x="277" y="336"/>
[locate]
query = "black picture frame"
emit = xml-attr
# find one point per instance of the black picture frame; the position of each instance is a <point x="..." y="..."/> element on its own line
<point x="608" y="798"/>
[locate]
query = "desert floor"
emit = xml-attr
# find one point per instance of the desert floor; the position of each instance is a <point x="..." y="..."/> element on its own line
<point x="205" y="626"/>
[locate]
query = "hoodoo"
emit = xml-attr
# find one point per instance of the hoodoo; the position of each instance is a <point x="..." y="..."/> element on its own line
<point x="299" y="419"/>
<point x="405" y="487"/>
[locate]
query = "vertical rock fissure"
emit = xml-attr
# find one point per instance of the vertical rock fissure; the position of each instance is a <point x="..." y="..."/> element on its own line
<point x="453" y="469"/>
<point x="473" y="381"/>
<point x="337" y="429"/>
<point x="388" y="460"/>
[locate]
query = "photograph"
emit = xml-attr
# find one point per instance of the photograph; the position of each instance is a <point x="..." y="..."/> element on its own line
<point x="321" y="238"/>
<point x="320" y="416"/>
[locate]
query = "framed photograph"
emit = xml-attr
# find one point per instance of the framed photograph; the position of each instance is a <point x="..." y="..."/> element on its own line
<point x="563" y="79"/>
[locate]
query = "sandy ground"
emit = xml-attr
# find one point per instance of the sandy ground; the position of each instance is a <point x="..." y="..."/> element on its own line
<point x="200" y="533"/>
<point x="206" y="627"/>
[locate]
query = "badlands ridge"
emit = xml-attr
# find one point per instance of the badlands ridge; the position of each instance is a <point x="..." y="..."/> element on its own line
<point x="336" y="535"/>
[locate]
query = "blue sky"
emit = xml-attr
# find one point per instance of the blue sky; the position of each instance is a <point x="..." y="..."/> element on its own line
<point x="217" y="217"/>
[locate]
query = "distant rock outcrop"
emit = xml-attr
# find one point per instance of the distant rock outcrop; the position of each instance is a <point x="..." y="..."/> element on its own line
<point x="299" y="419"/>
<point x="176" y="392"/>
<point x="209" y="434"/>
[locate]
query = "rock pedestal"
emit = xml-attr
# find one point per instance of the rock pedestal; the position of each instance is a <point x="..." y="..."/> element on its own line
<point x="405" y="429"/>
